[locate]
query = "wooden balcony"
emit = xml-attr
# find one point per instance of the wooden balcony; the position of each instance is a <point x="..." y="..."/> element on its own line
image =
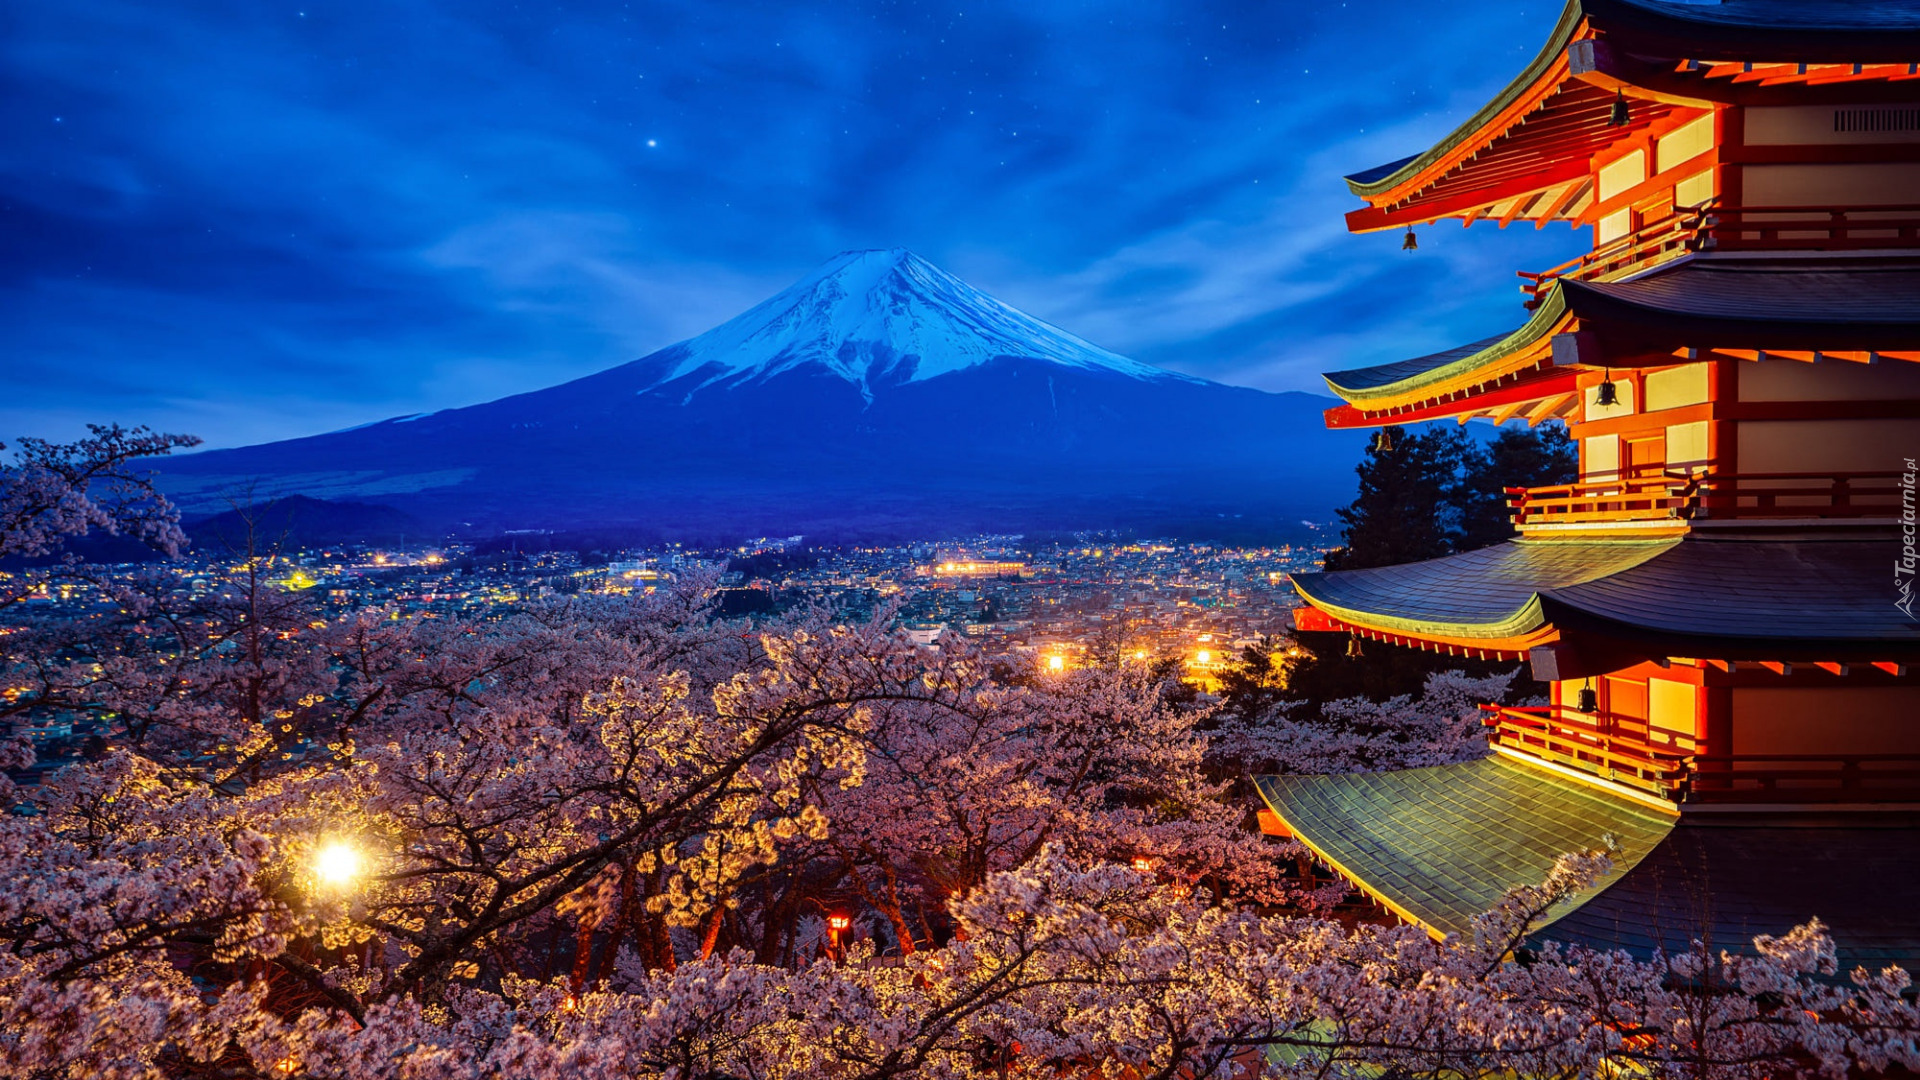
<point x="1683" y="497"/>
<point x="1610" y="747"/>
<point x="1655" y="242"/>
<point x="1658" y="498"/>
<point x="1745" y="228"/>
<point x="1628" y="752"/>
<point x="1809" y="228"/>
<point x="1803" y="778"/>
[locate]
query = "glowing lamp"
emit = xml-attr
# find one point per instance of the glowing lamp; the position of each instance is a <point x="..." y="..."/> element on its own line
<point x="1203" y="657"/>
<point x="1142" y="863"/>
<point x="838" y="923"/>
<point x="1139" y="654"/>
<point x="336" y="864"/>
<point x="1056" y="663"/>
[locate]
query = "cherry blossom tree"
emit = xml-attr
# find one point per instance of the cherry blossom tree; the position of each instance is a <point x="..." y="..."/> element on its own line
<point x="1440" y="727"/>
<point x="599" y="837"/>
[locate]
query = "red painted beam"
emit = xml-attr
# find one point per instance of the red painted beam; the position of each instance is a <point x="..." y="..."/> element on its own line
<point x="1374" y="218"/>
<point x="1552" y="383"/>
<point x="1311" y="619"/>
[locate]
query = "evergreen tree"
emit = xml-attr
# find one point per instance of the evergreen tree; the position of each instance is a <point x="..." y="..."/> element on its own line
<point x="1408" y="508"/>
<point x="1255" y="681"/>
<point x="1541" y="456"/>
<point x="1427" y="495"/>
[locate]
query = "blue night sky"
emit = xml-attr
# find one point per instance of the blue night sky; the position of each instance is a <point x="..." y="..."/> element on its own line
<point x="254" y="220"/>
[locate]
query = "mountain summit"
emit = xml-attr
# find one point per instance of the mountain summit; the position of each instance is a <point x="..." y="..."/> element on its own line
<point x="878" y="396"/>
<point x="885" y="316"/>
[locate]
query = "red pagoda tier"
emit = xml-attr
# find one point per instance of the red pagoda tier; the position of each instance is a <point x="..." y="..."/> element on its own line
<point x="1722" y="605"/>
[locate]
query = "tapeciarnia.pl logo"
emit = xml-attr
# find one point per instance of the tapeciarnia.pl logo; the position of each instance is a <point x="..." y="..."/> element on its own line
<point x="1903" y="567"/>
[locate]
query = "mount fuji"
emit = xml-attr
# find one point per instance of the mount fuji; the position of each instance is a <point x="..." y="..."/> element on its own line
<point x="877" y="397"/>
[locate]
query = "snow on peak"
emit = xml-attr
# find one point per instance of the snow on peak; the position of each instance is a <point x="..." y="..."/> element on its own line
<point x="867" y="314"/>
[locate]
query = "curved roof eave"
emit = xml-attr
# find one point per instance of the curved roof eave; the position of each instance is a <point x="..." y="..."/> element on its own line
<point x="1518" y="624"/>
<point x="1545" y="318"/>
<point x="1563" y="32"/>
<point x="1485" y="595"/>
<point x="1807" y="31"/>
<point x="1417" y="839"/>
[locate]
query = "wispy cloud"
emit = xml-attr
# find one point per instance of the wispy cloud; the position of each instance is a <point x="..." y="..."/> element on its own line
<point x="253" y="221"/>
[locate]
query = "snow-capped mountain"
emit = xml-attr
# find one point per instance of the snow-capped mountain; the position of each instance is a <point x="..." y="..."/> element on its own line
<point x="885" y="316"/>
<point x="879" y="394"/>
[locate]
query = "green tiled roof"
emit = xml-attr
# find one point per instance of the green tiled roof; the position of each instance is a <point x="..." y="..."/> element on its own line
<point x="1782" y="30"/>
<point x="1725" y="878"/>
<point x="1443" y="844"/>
<point x="1733" y="597"/>
<point x="1362" y="385"/>
<point x="1493" y="592"/>
<point x="1374" y="181"/>
<point x="1870" y="302"/>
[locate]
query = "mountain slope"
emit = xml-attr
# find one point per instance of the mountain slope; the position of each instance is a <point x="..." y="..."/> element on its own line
<point x="877" y="395"/>
<point x="885" y="316"/>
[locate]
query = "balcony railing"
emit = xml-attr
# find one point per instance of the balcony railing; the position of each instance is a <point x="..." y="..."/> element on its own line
<point x="1775" y="228"/>
<point x="1606" y="746"/>
<point x="1648" y="499"/>
<point x="1709" y="496"/>
<point x="1630" y="752"/>
<point x="1741" y="228"/>
<point x="1656" y="241"/>
<point x="1770" y="778"/>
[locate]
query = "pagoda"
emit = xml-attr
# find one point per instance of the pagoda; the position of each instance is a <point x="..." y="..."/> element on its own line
<point x="1722" y="605"/>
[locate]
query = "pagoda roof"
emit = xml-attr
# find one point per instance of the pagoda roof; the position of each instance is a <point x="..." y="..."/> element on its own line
<point x="1493" y="593"/>
<point x="1537" y="135"/>
<point x="1782" y="303"/>
<point x="1440" y="845"/>
<point x="1359" y="380"/>
<point x="1738" y="597"/>
<point x="1719" y="878"/>
<point x="1436" y="372"/>
<point x="1702" y="302"/>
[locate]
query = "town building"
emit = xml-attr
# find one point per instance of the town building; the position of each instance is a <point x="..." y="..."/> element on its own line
<point x="1722" y="604"/>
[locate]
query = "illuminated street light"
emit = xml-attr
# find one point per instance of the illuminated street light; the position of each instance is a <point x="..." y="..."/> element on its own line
<point x="338" y="863"/>
<point x="837" y="924"/>
<point x="1056" y="663"/>
<point x="1203" y="657"/>
<point x="1143" y="864"/>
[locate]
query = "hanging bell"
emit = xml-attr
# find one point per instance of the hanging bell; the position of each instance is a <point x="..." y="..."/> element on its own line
<point x="1618" y="117"/>
<point x="1410" y="242"/>
<point x="1353" y="647"/>
<point x="1606" y="395"/>
<point x="1383" y="442"/>
<point x="1589" y="701"/>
